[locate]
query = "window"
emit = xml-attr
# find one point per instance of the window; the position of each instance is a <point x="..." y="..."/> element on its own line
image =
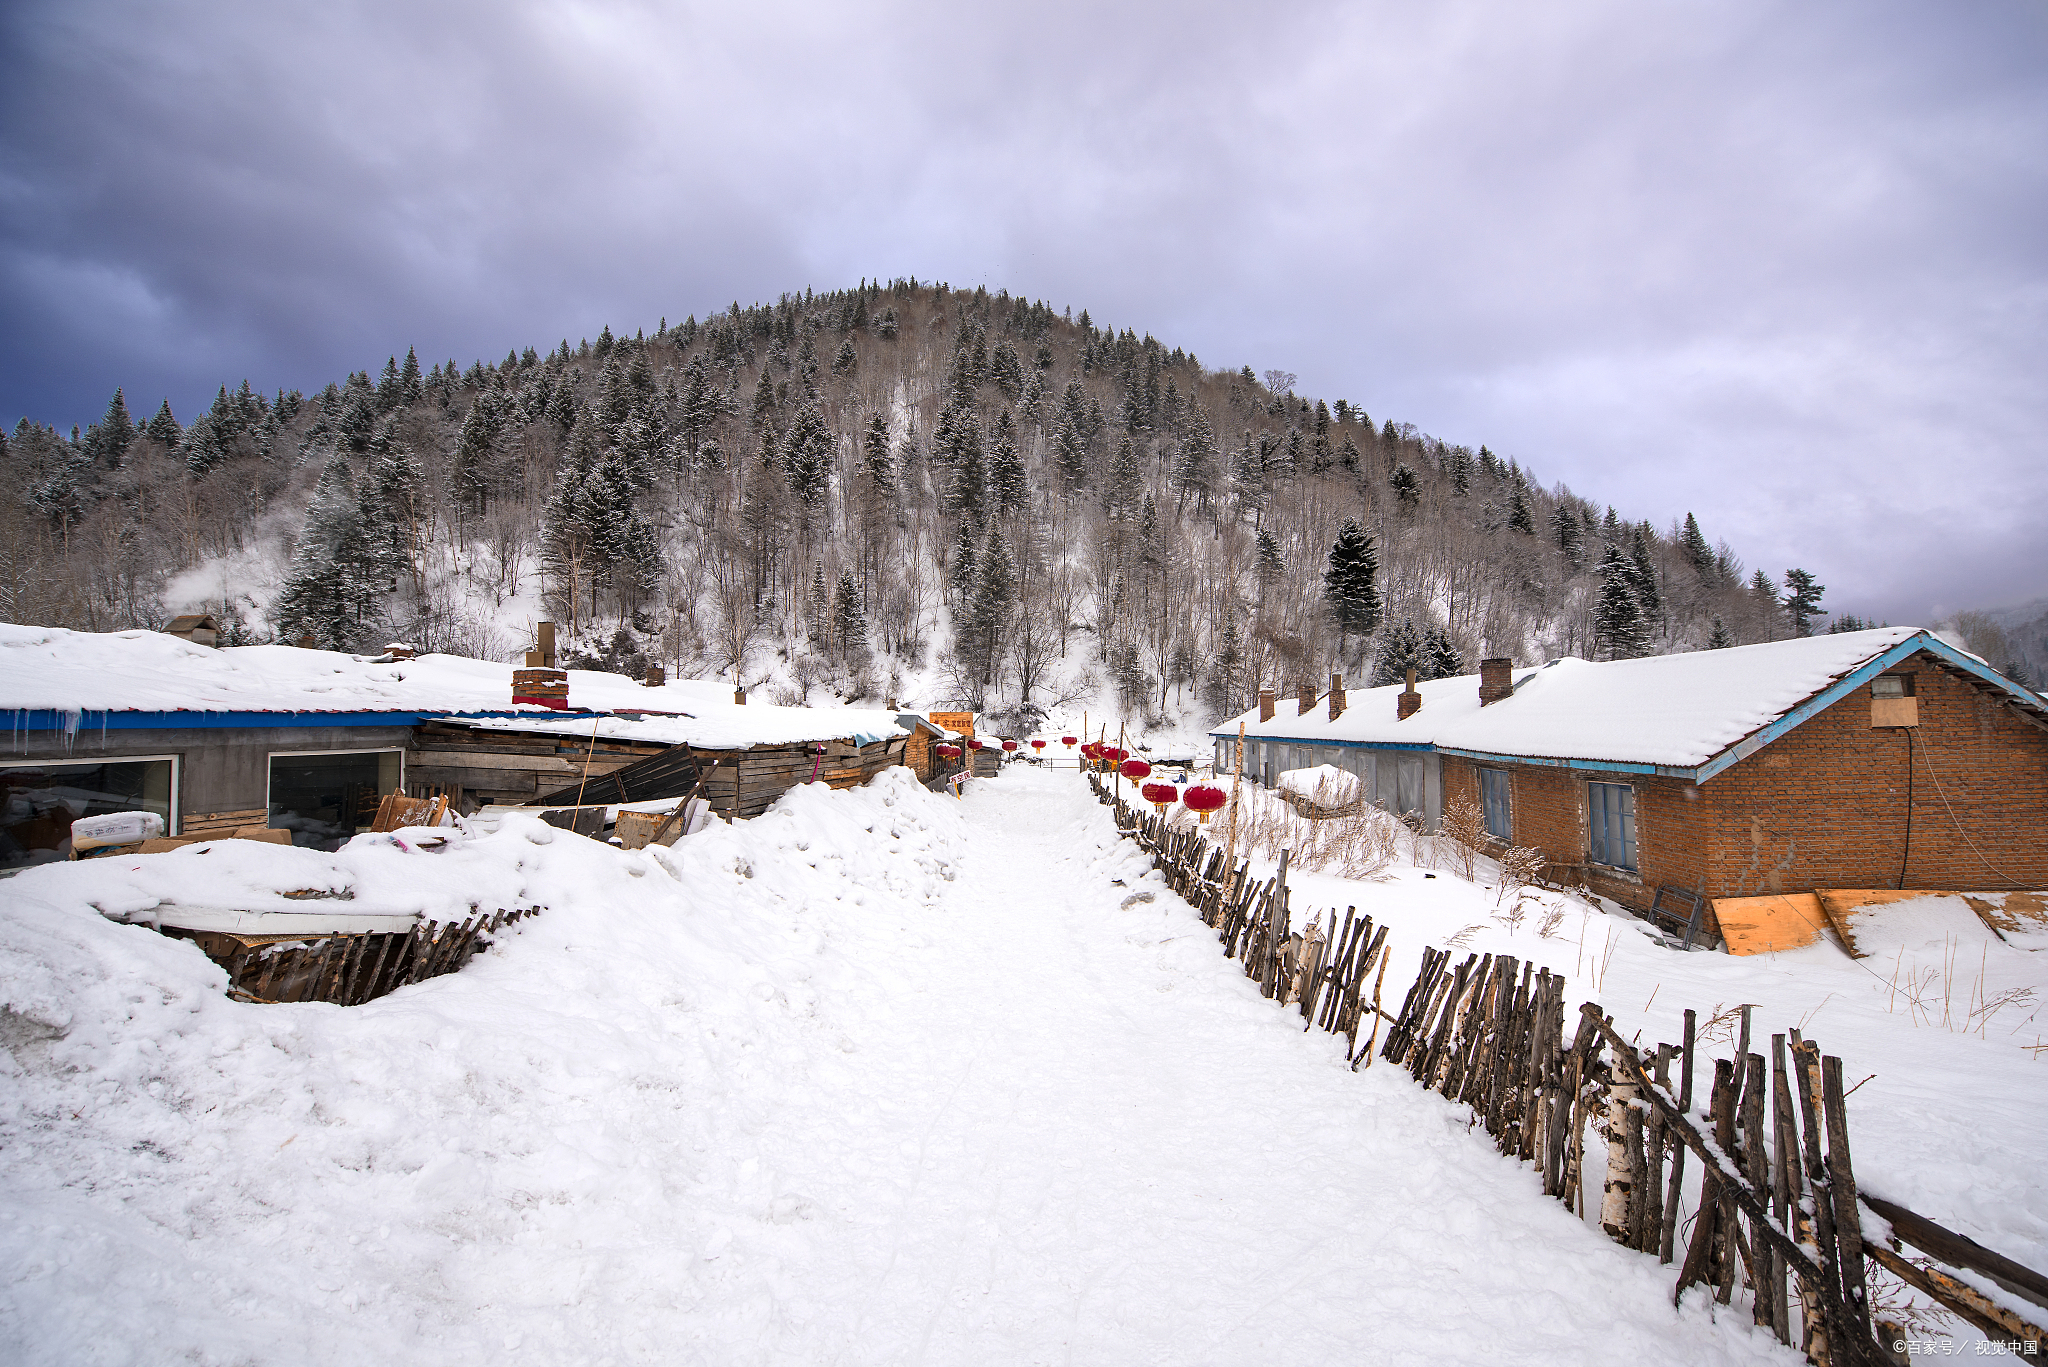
<point x="1493" y="800"/>
<point x="325" y="798"/>
<point x="38" y="802"/>
<point x="1613" y="811"/>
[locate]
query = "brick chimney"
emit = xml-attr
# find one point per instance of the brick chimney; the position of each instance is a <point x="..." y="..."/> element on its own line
<point x="656" y="676"/>
<point x="1410" y="702"/>
<point x="1265" y="704"/>
<point x="546" y="643"/>
<point x="1496" y="679"/>
<point x="1305" y="698"/>
<point x="1336" y="696"/>
<point x="739" y="697"/>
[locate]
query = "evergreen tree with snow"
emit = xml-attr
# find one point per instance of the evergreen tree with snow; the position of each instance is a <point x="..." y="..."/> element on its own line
<point x="1269" y="566"/>
<point x="1648" y="598"/>
<point x="960" y="577"/>
<point x="1440" y="657"/>
<point x="1619" y="631"/>
<point x="849" y="621"/>
<point x="1407" y="488"/>
<point x="163" y="427"/>
<point x="1565" y="531"/>
<point x="1718" y="638"/>
<point x="1350" y="583"/>
<point x="1400" y="650"/>
<point x="333" y="590"/>
<point x="1008" y="484"/>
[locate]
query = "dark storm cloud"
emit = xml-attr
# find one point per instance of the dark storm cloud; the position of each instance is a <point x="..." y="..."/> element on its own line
<point x="1782" y="266"/>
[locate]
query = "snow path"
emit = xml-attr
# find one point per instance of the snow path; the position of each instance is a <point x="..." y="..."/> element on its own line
<point x="876" y="1078"/>
<point x="1077" y="1135"/>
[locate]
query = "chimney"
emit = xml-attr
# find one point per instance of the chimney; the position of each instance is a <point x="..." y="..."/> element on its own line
<point x="1265" y="704"/>
<point x="1336" y="696"/>
<point x="1410" y="702"/>
<point x="1496" y="680"/>
<point x="656" y="676"/>
<point x="739" y="697"/>
<point x="547" y="645"/>
<point x="1305" y="698"/>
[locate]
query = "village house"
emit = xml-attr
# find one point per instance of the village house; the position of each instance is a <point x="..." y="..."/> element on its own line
<point x="215" y="740"/>
<point x="1871" y="759"/>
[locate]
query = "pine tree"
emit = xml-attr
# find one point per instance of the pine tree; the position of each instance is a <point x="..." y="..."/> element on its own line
<point x="409" y="378"/>
<point x="1407" y="488"/>
<point x="163" y="427"/>
<point x="995" y="592"/>
<point x="1648" y="598"/>
<point x="1719" y="639"/>
<point x="807" y="458"/>
<point x="961" y="576"/>
<point x="1440" y="657"/>
<point x="1619" y="631"/>
<point x="1520" y="518"/>
<point x="1400" y="650"/>
<point x="116" y="429"/>
<point x="849" y="622"/>
<point x="1120" y="492"/>
<point x="1070" y="455"/>
<point x="1802" y="601"/>
<point x="332" y="591"/>
<point x="1693" y="545"/>
<point x="1225" y="687"/>
<point x="1564" y="529"/>
<point x="1269" y="567"/>
<point x="1007" y="480"/>
<point x="1350" y="583"/>
<point x="877" y="463"/>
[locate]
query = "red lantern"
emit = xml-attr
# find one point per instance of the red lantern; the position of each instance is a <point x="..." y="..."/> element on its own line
<point x="1067" y="741"/>
<point x="1203" y="799"/>
<point x="1038" y="745"/>
<point x="1116" y="756"/>
<point x="1009" y="745"/>
<point x="1159" y="794"/>
<point x="1134" y="769"/>
<point x="973" y="744"/>
<point x="948" y="751"/>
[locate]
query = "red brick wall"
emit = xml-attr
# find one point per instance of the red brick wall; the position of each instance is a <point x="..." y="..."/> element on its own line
<point x="1547" y="812"/>
<point x="1825" y="806"/>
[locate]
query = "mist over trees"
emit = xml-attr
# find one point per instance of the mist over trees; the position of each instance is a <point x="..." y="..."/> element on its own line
<point x="847" y="490"/>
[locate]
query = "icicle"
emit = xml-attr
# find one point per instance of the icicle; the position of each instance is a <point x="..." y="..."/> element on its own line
<point x="72" y="716"/>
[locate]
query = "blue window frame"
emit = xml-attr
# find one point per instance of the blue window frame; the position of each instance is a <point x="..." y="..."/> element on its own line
<point x="1613" y="818"/>
<point x="1493" y="799"/>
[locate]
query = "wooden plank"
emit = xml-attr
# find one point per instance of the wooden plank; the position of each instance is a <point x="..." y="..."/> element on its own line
<point x="1850" y="911"/>
<point x="1770" y="925"/>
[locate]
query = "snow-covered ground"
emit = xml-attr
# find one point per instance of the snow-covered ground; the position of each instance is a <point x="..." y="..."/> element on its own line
<point x="876" y="1077"/>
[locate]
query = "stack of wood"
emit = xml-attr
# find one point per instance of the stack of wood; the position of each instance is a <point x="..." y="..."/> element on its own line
<point x="546" y="687"/>
<point x="494" y="765"/>
<point x="348" y="970"/>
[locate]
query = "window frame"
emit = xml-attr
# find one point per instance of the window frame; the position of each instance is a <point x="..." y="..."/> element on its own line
<point x="1600" y="840"/>
<point x="270" y="769"/>
<point x="172" y="817"/>
<point x="1503" y="780"/>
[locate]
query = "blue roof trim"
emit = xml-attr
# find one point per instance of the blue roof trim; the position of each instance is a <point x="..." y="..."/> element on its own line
<point x="1319" y="740"/>
<point x="47" y="719"/>
<point x="1608" y="766"/>
<point x="1855" y="679"/>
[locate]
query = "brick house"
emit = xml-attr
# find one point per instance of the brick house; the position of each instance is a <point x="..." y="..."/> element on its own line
<point x="1875" y="759"/>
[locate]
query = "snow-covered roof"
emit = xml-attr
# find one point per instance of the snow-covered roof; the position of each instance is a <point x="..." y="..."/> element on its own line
<point x="1691" y="712"/>
<point x="50" y="669"/>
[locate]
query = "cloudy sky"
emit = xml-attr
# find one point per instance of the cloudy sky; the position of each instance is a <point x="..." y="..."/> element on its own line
<point x="1782" y="265"/>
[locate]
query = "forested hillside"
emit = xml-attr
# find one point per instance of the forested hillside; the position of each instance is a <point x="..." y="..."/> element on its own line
<point x="877" y="490"/>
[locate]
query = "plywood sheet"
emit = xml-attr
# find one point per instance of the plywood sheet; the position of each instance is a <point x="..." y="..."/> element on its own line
<point x="1770" y="925"/>
<point x="1888" y="921"/>
<point x="2020" y="918"/>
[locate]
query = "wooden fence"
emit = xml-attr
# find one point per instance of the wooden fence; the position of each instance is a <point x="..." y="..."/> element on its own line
<point x="1778" y="1211"/>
